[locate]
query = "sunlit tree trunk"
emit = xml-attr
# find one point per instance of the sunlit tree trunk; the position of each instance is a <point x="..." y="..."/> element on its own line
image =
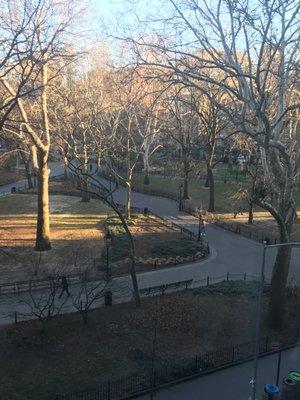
<point x="43" y="226"/>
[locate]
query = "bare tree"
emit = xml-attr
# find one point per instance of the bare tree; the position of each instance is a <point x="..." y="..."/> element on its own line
<point x="41" y="305"/>
<point x="87" y="295"/>
<point x="44" y="52"/>
<point x="255" y="48"/>
<point x="99" y="190"/>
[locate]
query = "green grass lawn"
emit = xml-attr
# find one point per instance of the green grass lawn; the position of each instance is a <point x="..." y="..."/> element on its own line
<point x="198" y="193"/>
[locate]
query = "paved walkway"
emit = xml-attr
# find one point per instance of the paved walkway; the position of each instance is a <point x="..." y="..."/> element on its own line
<point x="232" y="383"/>
<point x="234" y="253"/>
<point x="55" y="167"/>
<point x="230" y="253"/>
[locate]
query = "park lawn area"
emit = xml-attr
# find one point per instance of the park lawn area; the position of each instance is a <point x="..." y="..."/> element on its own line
<point x="198" y="193"/>
<point x="118" y="341"/>
<point x="156" y="245"/>
<point x="147" y="231"/>
<point x="76" y="236"/>
<point x="264" y="223"/>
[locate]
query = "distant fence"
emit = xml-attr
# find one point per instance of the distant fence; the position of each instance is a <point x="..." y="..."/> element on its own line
<point x="193" y="366"/>
<point x="239" y="229"/>
<point x="73" y="279"/>
<point x="19" y="287"/>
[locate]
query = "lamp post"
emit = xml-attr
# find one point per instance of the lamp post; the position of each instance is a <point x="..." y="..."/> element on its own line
<point x="259" y="309"/>
<point x="108" y="241"/>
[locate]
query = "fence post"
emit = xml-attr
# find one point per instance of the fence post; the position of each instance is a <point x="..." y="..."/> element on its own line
<point x="207" y="281"/>
<point x="227" y="276"/>
<point x="16" y="317"/>
<point x="196" y="362"/>
<point x="245" y="276"/>
<point x="267" y="343"/>
<point x="233" y="353"/>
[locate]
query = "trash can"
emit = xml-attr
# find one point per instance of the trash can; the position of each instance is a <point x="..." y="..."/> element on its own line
<point x="288" y="389"/>
<point x="108" y="298"/>
<point x="270" y="392"/>
<point x="295" y="376"/>
<point x="146" y="211"/>
<point x="13" y="189"/>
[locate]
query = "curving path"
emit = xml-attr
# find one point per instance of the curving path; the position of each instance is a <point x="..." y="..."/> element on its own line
<point x="231" y="252"/>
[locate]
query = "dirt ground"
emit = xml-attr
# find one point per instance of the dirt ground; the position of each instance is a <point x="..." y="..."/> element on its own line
<point x="118" y="341"/>
<point x="76" y="237"/>
<point x="74" y="226"/>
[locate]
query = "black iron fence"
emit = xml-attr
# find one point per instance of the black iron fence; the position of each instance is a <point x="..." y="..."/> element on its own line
<point x="19" y="287"/>
<point x="193" y="366"/>
<point x="237" y="228"/>
<point x="257" y="235"/>
<point x="184" y="231"/>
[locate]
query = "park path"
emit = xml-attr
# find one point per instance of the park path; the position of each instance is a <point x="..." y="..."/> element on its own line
<point x="56" y="169"/>
<point x="230" y="253"/>
<point x="232" y="383"/>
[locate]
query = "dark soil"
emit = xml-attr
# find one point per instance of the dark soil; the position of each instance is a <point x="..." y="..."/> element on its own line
<point x="70" y="356"/>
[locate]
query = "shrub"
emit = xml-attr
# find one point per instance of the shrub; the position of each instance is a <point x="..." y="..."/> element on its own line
<point x="181" y="247"/>
<point x="120" y="246"/>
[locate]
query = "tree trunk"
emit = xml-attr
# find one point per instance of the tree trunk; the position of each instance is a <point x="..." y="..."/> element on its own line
<point x="146" y="177"/>
<point x="210" y="175"/>
<point x="43" y="229"/>
<point x="134" y="281"/>
<point x="277" y="305"/>
<point x="28" y="175"/>
<point x="146" y="167"/>
<point x="85" y="197"/>
<point x="185" y="188"/>
<point x="206" y="180"/>
<point x="128" y="199"/>
<point x="186" y="179"/>
<point x="65" y="168"/>
<point x="250" y="213"/>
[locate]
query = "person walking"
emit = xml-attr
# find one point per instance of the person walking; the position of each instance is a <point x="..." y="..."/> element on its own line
<point x="65" y="286"/>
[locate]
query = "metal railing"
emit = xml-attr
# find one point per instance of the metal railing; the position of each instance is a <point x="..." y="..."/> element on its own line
<point x="193" y="366"/>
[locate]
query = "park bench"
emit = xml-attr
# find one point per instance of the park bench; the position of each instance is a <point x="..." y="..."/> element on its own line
<point x="161" y="289"/>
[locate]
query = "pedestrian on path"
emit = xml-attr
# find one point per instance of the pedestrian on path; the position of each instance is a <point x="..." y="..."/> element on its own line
<point x="65" y="286"/>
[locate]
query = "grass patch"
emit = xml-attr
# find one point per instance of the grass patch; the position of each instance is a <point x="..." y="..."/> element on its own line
<point x="197" y="191"/>
<point x="181" y="247"/>
<point x="233" y="288"/>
